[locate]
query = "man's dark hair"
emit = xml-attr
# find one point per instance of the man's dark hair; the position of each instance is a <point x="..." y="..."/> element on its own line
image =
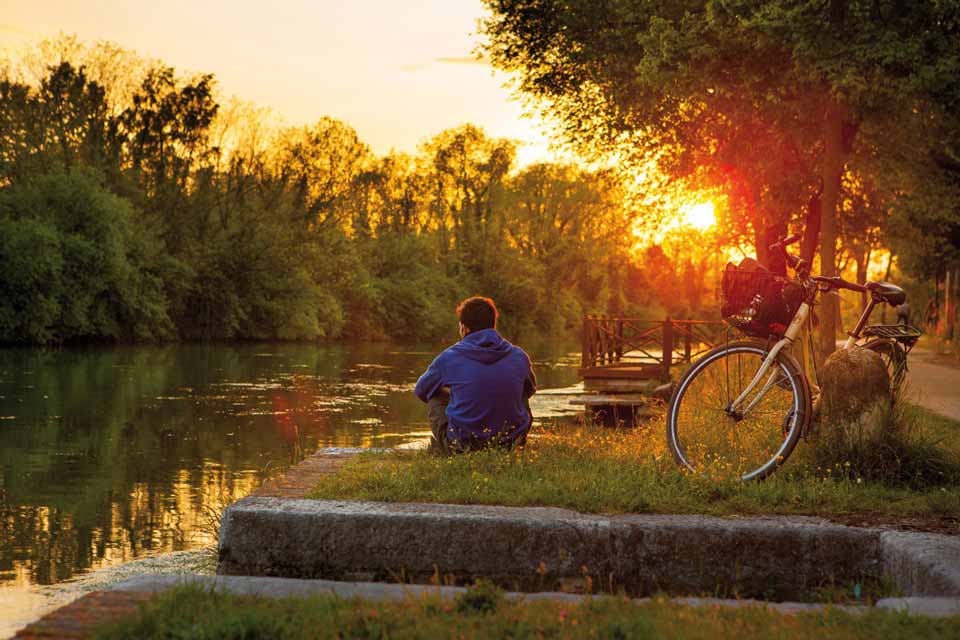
<point x="478" y="313"/>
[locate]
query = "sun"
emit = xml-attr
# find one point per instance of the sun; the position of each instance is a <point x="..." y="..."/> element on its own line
<point x="700" y="216"/>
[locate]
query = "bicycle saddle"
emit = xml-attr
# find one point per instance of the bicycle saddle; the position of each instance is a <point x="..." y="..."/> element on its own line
<point x="890" y="293"/>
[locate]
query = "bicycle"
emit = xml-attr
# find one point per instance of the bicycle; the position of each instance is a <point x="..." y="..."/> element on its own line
<point x="741" y="408"/>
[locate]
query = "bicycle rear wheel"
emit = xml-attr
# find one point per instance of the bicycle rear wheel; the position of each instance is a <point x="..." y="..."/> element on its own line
<point x="706" y="438"/>
<point x="894" y="358"/>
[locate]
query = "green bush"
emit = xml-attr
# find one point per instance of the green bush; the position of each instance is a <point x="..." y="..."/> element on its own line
<point x="31" y="265"/>
<point x="73" y="264"/>
<point x="413" y="297"/>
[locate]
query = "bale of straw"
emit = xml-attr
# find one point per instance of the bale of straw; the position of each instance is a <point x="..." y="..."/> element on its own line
<point x="855" y="391"/>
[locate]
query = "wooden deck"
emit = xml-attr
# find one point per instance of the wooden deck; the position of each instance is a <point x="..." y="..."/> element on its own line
<point x="616" y="347"/>
<point x="626" y="363"/>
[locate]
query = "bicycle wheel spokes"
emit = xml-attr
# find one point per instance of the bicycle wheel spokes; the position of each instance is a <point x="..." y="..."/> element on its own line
<point x="710" y="440"/>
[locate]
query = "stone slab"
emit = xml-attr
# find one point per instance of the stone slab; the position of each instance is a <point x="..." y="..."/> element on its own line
<point x="928" y="607"/>
<point x="544" y="549"/>
<point x="922" y="563"/>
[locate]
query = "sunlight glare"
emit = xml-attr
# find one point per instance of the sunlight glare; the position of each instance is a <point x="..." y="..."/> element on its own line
<point x="700" y="216"/>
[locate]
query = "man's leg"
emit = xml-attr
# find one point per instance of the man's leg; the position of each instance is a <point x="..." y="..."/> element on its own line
<point x="437" y="415"/>
<point x="521" y="441"/>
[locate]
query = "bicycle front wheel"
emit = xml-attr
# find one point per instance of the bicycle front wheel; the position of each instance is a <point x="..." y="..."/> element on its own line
<point x="751" y="441"/>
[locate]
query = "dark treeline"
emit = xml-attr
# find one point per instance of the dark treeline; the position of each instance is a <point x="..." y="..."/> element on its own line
<point x="162" y="216"/>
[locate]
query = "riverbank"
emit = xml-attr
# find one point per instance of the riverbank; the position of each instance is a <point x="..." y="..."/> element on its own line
<point x="595" y="470"/>
<point x="919" y="566"/>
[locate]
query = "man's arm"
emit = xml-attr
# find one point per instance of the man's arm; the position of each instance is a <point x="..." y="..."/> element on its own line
<point x="530" y="382"/>
<point x="430" y="381"/>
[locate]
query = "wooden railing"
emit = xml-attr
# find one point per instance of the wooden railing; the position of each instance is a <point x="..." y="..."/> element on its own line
<point x="644" y="345"/>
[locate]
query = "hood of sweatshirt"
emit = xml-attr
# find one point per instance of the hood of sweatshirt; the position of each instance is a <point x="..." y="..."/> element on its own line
<point x="486" y="346"/>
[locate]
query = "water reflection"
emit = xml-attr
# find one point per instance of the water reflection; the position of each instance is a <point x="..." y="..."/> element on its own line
<point x="107" y="455"/>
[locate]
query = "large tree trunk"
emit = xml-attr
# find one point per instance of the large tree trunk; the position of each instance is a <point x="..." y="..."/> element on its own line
<point x="863" y="262"/>
<point x="811" y="234"/>
<point x="834" y="158"/>
<point x="760" y="242"/>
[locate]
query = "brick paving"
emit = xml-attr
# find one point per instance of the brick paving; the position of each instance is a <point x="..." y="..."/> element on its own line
<point x="79" y="618"/>
<point x="300" y="479"/>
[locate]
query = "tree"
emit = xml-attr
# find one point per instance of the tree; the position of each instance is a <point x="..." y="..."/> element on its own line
<point x="61" y="123"/>
<point x="777" y="82"/>
<point x="164" y="140"/>
<point x="467" y="175"/>
<point x="321" y="164"/>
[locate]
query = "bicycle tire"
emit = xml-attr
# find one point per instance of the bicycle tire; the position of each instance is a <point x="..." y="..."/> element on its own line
<point x="894" y="358"/>
<point x="793" y="426"/>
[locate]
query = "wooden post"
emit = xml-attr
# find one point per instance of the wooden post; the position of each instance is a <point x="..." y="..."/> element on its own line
<point x="601" y="348"/>
<point x="585" y="359"/>
<point x="598" y="337"/>
<point x="603" y="338"/>
<point x="667" y="347"/>
<point x="686" y="346"/>
<point x="611" y="341"/>
<point x="619" y="346"/>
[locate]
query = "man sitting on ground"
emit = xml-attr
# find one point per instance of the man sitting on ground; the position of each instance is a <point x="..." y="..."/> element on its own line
<point x="478" y="391"/>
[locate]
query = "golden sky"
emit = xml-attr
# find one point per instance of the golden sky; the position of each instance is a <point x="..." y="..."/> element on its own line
<point x="397" y="71"/>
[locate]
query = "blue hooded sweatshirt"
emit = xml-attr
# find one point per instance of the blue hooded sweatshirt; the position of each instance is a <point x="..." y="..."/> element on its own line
<point x="490" y="381"/>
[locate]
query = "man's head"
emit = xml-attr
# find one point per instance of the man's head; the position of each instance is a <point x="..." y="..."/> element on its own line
<point x="477" y="313"/>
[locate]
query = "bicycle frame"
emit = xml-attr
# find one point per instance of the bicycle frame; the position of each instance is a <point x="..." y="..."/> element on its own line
<point x="789" y="337"/>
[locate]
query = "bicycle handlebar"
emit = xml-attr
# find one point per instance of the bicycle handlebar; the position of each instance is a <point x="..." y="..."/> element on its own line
<point x="836" y="282"/>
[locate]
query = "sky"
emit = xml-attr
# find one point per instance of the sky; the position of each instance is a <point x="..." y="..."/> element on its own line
<point x="397" y="71"/>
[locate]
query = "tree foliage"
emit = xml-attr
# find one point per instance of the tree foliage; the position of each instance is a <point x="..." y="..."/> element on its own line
<point x="141" y="208"/>
<point x="74" y="265"/>
<point x="774" y="102"/>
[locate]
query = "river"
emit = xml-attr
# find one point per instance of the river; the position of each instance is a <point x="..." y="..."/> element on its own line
<point x="118" y="460"/>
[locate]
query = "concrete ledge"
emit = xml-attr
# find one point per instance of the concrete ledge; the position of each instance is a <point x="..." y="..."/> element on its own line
<point x="293" y="588"/>
<point x="544" y="549"/>
<point x="930" y="607"/>
<point x="922" y="563"/>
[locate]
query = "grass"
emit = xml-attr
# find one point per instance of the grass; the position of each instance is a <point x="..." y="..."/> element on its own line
<point x="195" y="613"/>
<point x="596" y="470"/>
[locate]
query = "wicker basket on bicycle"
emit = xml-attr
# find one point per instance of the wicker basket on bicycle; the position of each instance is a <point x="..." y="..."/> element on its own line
<point x="756" y="301"/>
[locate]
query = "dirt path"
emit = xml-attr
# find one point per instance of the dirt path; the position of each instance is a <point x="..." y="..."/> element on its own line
<point x="934" y="382"/>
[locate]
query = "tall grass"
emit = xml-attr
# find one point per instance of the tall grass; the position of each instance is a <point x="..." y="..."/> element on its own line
<point x="900" y="446"/>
